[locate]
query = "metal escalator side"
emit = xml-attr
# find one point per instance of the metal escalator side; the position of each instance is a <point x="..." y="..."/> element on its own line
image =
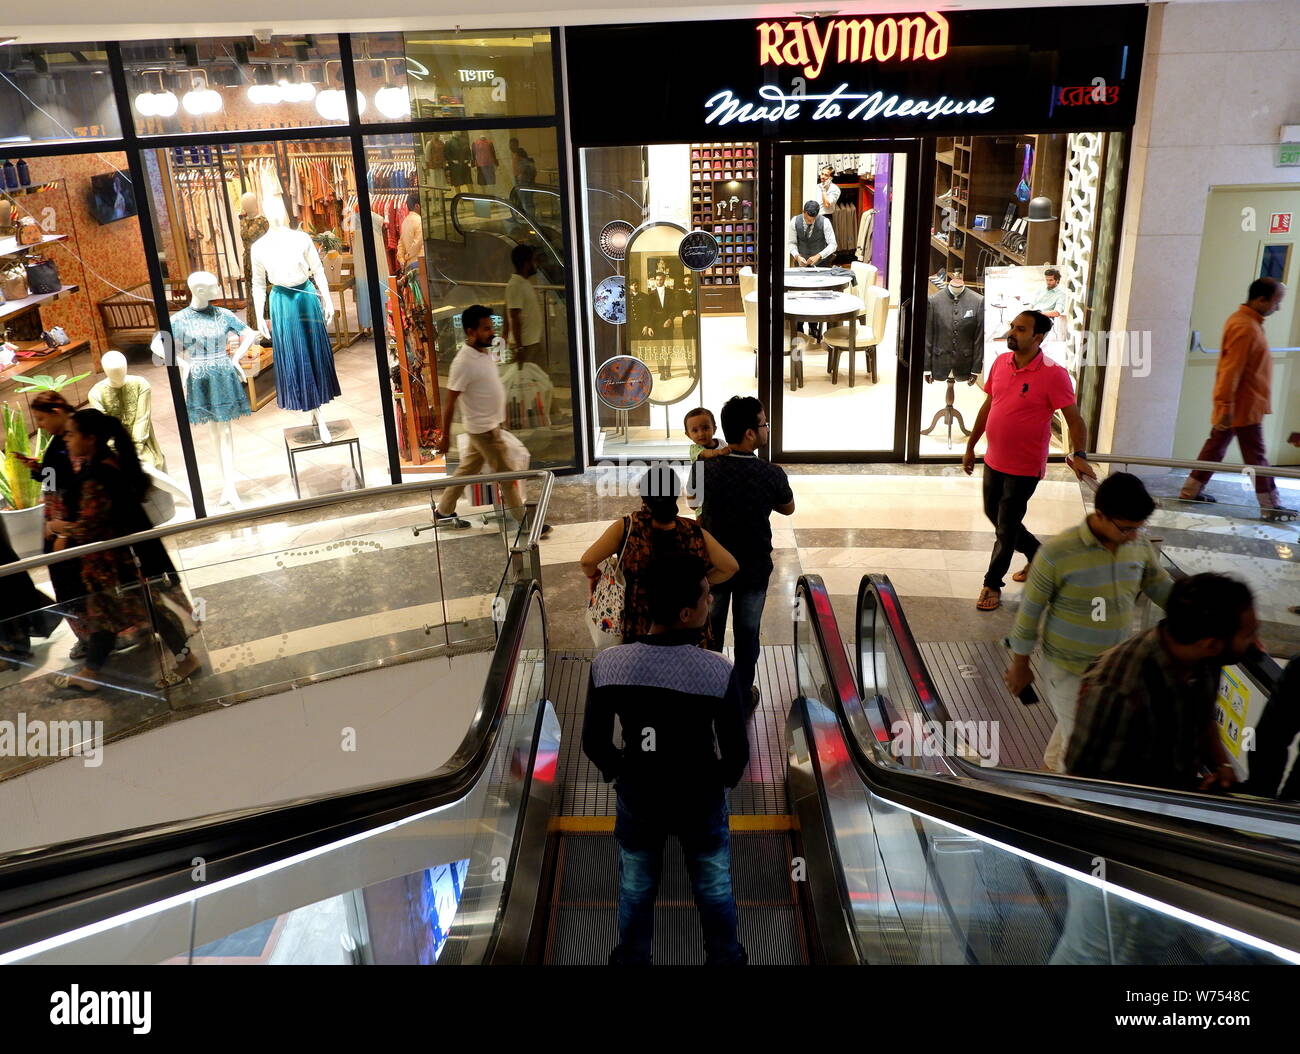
<point x="173" y="893"/>
<point x="917" y="856"/>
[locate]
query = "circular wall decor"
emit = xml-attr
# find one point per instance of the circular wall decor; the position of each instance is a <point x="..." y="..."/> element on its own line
<point x="699" y="250"/>
<point x="624" y="382"/>
<point x="614" y="238"/>
<point x="610" y="300"/>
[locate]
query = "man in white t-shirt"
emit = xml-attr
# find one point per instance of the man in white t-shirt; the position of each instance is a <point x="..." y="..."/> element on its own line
<point x="827" y="192"/>
<point x="475" y="386"/>
<point x="523" y="306"/>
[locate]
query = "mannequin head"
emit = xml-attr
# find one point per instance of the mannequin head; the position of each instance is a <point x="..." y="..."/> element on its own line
<point x="114" y="366"/>
<point x="204" y="287"/>
<point x="248" y="205"/>
<point x="956" y="282"/>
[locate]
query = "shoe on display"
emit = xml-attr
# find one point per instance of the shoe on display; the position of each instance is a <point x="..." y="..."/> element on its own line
<point x="451" y="521"/>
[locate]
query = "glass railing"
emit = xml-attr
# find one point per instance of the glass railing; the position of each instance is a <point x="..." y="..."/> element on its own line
<point x="1230" y="535"/>
<point x="930" y="884"/>
<point x="260" y="603"/>
<point x="429" y="887"/>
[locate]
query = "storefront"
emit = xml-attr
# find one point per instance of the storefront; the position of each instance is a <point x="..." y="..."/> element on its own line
<point x="961" y="168"/>
<point x="182" y="220"/>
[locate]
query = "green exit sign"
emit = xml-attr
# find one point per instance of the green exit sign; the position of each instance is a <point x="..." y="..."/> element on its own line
<point x="1288" y="155"/>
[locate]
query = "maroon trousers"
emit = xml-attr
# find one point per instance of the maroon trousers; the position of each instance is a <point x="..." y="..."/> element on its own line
<point x="1251" y="440"/>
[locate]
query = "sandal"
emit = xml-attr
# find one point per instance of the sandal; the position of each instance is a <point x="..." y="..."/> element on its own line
<point x="1207" y="498"/>
<point x="73" y="682"/>
<point x="1021" y="575"/>
<point x="173" y="679"/>
<point x="1276" y="514"/>
<point x="990" y="599"/>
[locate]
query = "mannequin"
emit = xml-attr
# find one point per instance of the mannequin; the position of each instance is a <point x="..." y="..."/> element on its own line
<point x="954" y="344"/>
<point x="130" y="400"/>
<point x="252" y="225"/>
<point x="210" y="371"/>
<point x="295" y="312"/>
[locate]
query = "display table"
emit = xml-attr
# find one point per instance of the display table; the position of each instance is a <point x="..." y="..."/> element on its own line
<point x="825" y="309"/>
<point x="815" y="278"/>
<point x="302" y="438"/>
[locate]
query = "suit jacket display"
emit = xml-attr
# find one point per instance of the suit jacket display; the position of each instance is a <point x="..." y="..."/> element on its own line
<point x="954" y="334"/>
<point x="647" y="311"/>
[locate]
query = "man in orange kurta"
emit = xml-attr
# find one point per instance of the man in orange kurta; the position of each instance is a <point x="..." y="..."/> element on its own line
<point x="1243" y="395"/>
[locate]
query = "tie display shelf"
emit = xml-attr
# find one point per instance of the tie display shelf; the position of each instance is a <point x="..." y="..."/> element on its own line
<point x="724" y="177"/>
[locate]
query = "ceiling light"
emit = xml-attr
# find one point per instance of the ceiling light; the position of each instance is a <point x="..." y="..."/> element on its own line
<point x="144" y="104"/>
<point x="263" y="94"/>
<point x="393" y="102"/>
<point x="332" y="104"/>
<point x="165" y="104"/>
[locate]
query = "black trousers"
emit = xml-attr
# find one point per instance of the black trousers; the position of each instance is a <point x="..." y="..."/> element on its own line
<point x="1005" y="500"/>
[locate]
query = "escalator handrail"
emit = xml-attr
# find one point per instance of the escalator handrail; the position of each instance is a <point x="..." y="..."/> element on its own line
<point x="1143" y="852"/>
<point x="248" y="517"/>
<point x="1278" y="471"/>
<point x="518" y="210"/>
<point x="49" y="890"/>
<point x="918" y="673"/>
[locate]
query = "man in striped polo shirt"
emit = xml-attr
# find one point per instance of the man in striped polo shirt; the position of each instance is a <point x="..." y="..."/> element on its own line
<point x="1087" y="579"/>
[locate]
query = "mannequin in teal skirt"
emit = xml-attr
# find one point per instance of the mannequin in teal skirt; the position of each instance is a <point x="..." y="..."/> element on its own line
<point x="292" y="296"/>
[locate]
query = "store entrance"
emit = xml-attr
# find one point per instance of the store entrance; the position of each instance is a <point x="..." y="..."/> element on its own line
<point x="842" y="276"/>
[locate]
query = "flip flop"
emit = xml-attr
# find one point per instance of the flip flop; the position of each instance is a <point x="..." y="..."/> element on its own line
<point x="1208" y="499"/>
<point x="68" y="682"/>
<point x="989" y="600"/>
<point x="1277" y="514"/>
<point x="1021" y="575"/>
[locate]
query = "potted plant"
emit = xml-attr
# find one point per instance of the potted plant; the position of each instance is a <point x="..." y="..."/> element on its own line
<point x="22" y="515"/>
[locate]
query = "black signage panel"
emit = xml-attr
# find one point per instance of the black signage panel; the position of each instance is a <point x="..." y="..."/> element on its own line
<point x="857" y="76"/>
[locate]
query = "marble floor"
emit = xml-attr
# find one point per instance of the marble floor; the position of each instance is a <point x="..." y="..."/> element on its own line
<point x="291" y="596"/>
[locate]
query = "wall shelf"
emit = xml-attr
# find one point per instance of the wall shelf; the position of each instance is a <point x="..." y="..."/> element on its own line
<point x="16" y="307"/>
<point x="10" y="246"/>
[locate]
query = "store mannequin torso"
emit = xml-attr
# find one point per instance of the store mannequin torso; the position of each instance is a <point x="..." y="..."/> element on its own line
<point x="287" y="258"/>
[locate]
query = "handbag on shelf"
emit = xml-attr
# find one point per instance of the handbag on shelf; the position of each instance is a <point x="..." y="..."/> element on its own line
<point x="58" y="336"/>
<point x="13" y="282"/>
<point x="28" y="232"/>
<point x="42" y="275"/>
<point x="605" y="606"/>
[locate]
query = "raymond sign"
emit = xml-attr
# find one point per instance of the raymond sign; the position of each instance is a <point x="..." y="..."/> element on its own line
<point x="803" y="44"/>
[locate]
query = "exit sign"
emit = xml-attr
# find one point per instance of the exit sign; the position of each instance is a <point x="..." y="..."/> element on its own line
<point x="1288" y="155"/>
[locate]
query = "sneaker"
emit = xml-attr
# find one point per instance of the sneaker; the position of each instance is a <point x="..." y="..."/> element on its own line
<point x="451" y="521"/>
<point x="754" y="698"/>
<point x="546" y="531"/>
<point x="78" y="650"/>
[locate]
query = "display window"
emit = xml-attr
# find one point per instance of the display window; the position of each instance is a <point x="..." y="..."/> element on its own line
<point x="76" y="316"/>
<point x="460" y="219"/>
<point x="55" y="93"/>
<point x="1016" y="223"/>
<point x="268" y="317"/>
<point x="671" y="239"/>
<point x="226" y="84"/>
<point x="457" y="75"/>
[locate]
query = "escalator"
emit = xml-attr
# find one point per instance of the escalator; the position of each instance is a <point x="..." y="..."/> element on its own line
<point x="846" y="848"/>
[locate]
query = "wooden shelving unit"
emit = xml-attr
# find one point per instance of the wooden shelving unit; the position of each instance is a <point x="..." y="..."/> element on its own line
<point x="977" y="175"/>
<point x="719" y="173"/>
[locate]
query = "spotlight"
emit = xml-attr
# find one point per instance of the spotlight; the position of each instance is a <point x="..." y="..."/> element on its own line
<point x="144" y="104"/>
<point x="393" y="102"/>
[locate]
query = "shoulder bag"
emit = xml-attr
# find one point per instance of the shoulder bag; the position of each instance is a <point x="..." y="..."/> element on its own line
<point x="605" y="607"/>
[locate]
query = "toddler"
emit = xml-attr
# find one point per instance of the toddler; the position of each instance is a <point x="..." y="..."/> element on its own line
<point x="701" y="428"/>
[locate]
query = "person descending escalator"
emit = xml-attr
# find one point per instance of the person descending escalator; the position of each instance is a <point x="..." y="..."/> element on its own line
<point x="672" y="698"/>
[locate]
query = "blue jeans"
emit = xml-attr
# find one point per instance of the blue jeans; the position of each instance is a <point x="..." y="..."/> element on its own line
<point x="748" y="599"/>
<point x="706" y="843"/>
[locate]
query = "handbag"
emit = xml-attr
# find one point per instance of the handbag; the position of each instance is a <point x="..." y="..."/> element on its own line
<point x="56" y="337"/>
<point x="13" y="282"/>
<point x="28" y="232"/>
<point x="605" y="606"/>
<point x="42" y="275"/>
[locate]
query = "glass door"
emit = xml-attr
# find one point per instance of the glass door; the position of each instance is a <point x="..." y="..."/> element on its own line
<point x="841" y="287"/>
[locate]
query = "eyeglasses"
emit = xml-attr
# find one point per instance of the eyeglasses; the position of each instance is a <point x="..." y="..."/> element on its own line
<point x="1124" y="528"/>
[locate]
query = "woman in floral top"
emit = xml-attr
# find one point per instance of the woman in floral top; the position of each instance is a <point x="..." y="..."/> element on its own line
<point x="106" y="502"/>
<point x="651" y="532"/>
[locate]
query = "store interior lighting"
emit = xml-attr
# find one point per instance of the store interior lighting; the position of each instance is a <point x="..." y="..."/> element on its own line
<point x="331" y="103"/>
<point x="162" y="103"/>
<point x="392" y="101"/>
<point x="201" y="99"/>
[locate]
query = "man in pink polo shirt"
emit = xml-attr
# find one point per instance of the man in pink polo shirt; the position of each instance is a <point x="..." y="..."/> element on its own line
<point x="1024" y="390"/>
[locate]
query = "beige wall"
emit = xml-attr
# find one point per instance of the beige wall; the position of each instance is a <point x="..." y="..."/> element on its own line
<point x="1219" y="81"/>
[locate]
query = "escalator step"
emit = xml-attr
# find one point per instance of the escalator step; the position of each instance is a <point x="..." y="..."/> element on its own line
<point x="584" y="923"/>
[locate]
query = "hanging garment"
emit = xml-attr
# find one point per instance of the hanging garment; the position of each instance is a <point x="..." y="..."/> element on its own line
<point x="131" y="403"/>
<point x="866" y="230"/>
<point x="305" y="378"/>
<point x="844" y="221"/>
<point x="954" y="334"/>
<point x="250" y="229"/>
<point x="214" y="390"/>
